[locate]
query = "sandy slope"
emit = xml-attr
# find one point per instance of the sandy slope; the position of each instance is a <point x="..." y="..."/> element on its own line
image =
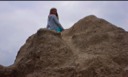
<point x="92" y="47"/>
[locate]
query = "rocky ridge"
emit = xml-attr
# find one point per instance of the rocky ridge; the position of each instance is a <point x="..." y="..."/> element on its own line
<point x="92" y="47"/>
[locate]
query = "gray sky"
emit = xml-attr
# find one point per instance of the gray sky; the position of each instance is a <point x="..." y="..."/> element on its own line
<point x="21" y="19"/>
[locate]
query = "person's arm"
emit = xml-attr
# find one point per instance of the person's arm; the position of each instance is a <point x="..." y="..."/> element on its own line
<point x="57" y="22"/>
<point x="48" y="27"/>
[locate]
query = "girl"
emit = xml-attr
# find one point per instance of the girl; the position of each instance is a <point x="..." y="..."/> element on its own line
<point x="53" y="21"/>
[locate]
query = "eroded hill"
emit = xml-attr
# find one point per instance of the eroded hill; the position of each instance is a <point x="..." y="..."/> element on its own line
<point x="92" y="47"/>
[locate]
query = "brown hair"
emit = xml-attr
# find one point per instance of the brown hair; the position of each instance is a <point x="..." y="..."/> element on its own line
<point x="56" y="12"/>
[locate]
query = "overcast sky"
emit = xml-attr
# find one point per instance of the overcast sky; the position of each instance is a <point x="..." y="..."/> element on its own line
<point x="21" y="19"/>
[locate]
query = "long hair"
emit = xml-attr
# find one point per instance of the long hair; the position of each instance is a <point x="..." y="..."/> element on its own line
<point x="52" y="13"/>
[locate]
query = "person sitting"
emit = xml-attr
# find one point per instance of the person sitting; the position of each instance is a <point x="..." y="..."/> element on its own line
<point x="53" y="21"/>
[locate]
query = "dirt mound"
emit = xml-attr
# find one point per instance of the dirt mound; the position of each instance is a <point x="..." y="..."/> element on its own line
<point x="43" y="50"/>
<point x="92" y="47"/>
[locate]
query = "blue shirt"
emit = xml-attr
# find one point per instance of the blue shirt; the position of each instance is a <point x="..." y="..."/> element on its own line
<point x="54" y="24"/>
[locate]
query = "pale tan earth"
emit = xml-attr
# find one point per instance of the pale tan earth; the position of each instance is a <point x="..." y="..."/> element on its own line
<point x="92" y="47"/>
